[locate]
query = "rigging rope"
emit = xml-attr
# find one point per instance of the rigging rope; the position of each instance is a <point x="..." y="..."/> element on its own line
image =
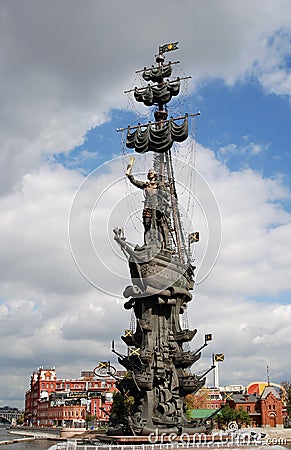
<point x="132" y="322"/>
<point x="188" y="150"/>
<point x="185" y="326"/>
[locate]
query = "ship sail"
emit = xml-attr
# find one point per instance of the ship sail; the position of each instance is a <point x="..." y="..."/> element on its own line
<point x="157" y="73"/>
<point x="161" y="93"/>
<point x="155" y="139"/>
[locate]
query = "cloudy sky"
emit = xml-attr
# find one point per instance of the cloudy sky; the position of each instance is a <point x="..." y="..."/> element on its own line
<point x="64" y="68"/>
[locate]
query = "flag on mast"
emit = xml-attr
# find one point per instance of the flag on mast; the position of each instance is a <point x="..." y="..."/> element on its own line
<point x="218" y="357"/>
<point x="168" y="47"/>
<point x="193" y="237"/>
<point x="208" y="337"/>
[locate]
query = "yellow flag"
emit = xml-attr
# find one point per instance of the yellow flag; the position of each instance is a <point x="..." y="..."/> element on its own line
<point x="218" y="357"/>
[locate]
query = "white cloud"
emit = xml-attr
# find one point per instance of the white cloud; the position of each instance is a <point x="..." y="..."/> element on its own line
<point x="251" y="334"/>
<point x="273" y="70"/>
<point x="254" y="225"/>
<point x="251" y="148"/>
<point x="61" y="320"/>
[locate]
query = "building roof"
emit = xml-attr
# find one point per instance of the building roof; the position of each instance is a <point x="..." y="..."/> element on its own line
<point x="244" y="398"/>
<point x="270" y="390"/>
<point x="201" y="413"/>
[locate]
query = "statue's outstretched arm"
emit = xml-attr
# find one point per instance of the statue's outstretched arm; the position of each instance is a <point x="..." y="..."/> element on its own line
<point x="137" y="183"/>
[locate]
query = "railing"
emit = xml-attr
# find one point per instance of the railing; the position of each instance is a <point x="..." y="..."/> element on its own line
<point x="74" y="445"/>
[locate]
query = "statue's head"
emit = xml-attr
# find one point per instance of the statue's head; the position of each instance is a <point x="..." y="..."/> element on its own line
<point x="152" y="174"/>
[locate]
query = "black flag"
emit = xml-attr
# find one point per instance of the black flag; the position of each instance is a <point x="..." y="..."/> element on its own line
<point x="193" y="237"/>
<point x="217" y="357"/>
<point x="208" y="337"/>
<point x="168" y="47"/>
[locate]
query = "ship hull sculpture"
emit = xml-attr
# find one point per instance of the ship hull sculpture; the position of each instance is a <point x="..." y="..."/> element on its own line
<point x="162" y="277"/>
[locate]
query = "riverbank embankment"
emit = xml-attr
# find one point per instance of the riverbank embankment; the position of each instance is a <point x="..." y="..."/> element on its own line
<point x="58" y="433"/>
<point x="15" y="441"/>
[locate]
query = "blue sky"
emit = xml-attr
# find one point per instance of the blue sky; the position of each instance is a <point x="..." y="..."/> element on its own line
<point x="65" y="68"/>
<point x="243" y="115"/>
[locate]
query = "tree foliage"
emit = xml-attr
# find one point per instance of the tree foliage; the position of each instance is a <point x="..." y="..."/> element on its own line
<point x="225" y="415"/>
<point x="89" y="419"/>
<point x="287" y="386"/>
<point x="198" y="401"/>
<point x="228" y="414"/>
<point x="242" y="417"/>
<point x="20" y="419"/>
<point x="121" y="408"/>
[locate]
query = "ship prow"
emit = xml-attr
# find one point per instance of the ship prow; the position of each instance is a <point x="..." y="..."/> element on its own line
<point x="156" y="271"/>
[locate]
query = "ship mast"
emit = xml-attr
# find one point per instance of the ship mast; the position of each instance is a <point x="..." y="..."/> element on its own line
<point x="164" y="166"/>
<point x="158" y="94"/>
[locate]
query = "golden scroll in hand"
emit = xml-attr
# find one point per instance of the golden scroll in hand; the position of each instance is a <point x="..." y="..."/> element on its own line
<point x="130" y="165"/>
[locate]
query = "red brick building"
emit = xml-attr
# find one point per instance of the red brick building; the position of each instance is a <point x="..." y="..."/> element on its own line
<point x="67" y="402"/>
<point x="249" y="403"/>
<point x="271" y="408"/>
<point x="265" y="410"/>
<point x="265" y="404"/>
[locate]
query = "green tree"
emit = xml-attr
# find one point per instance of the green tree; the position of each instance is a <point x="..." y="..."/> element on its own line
<point x="199" y="400"/>
<point x="242" y="417"/>
<point x="89" y="420"/>
<point x="287" y="386"/>
<point x="121" y="408"/>
<point x="20" y="419"/>
<point x="228" y="414"/>
<point x="225" y="415"/>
